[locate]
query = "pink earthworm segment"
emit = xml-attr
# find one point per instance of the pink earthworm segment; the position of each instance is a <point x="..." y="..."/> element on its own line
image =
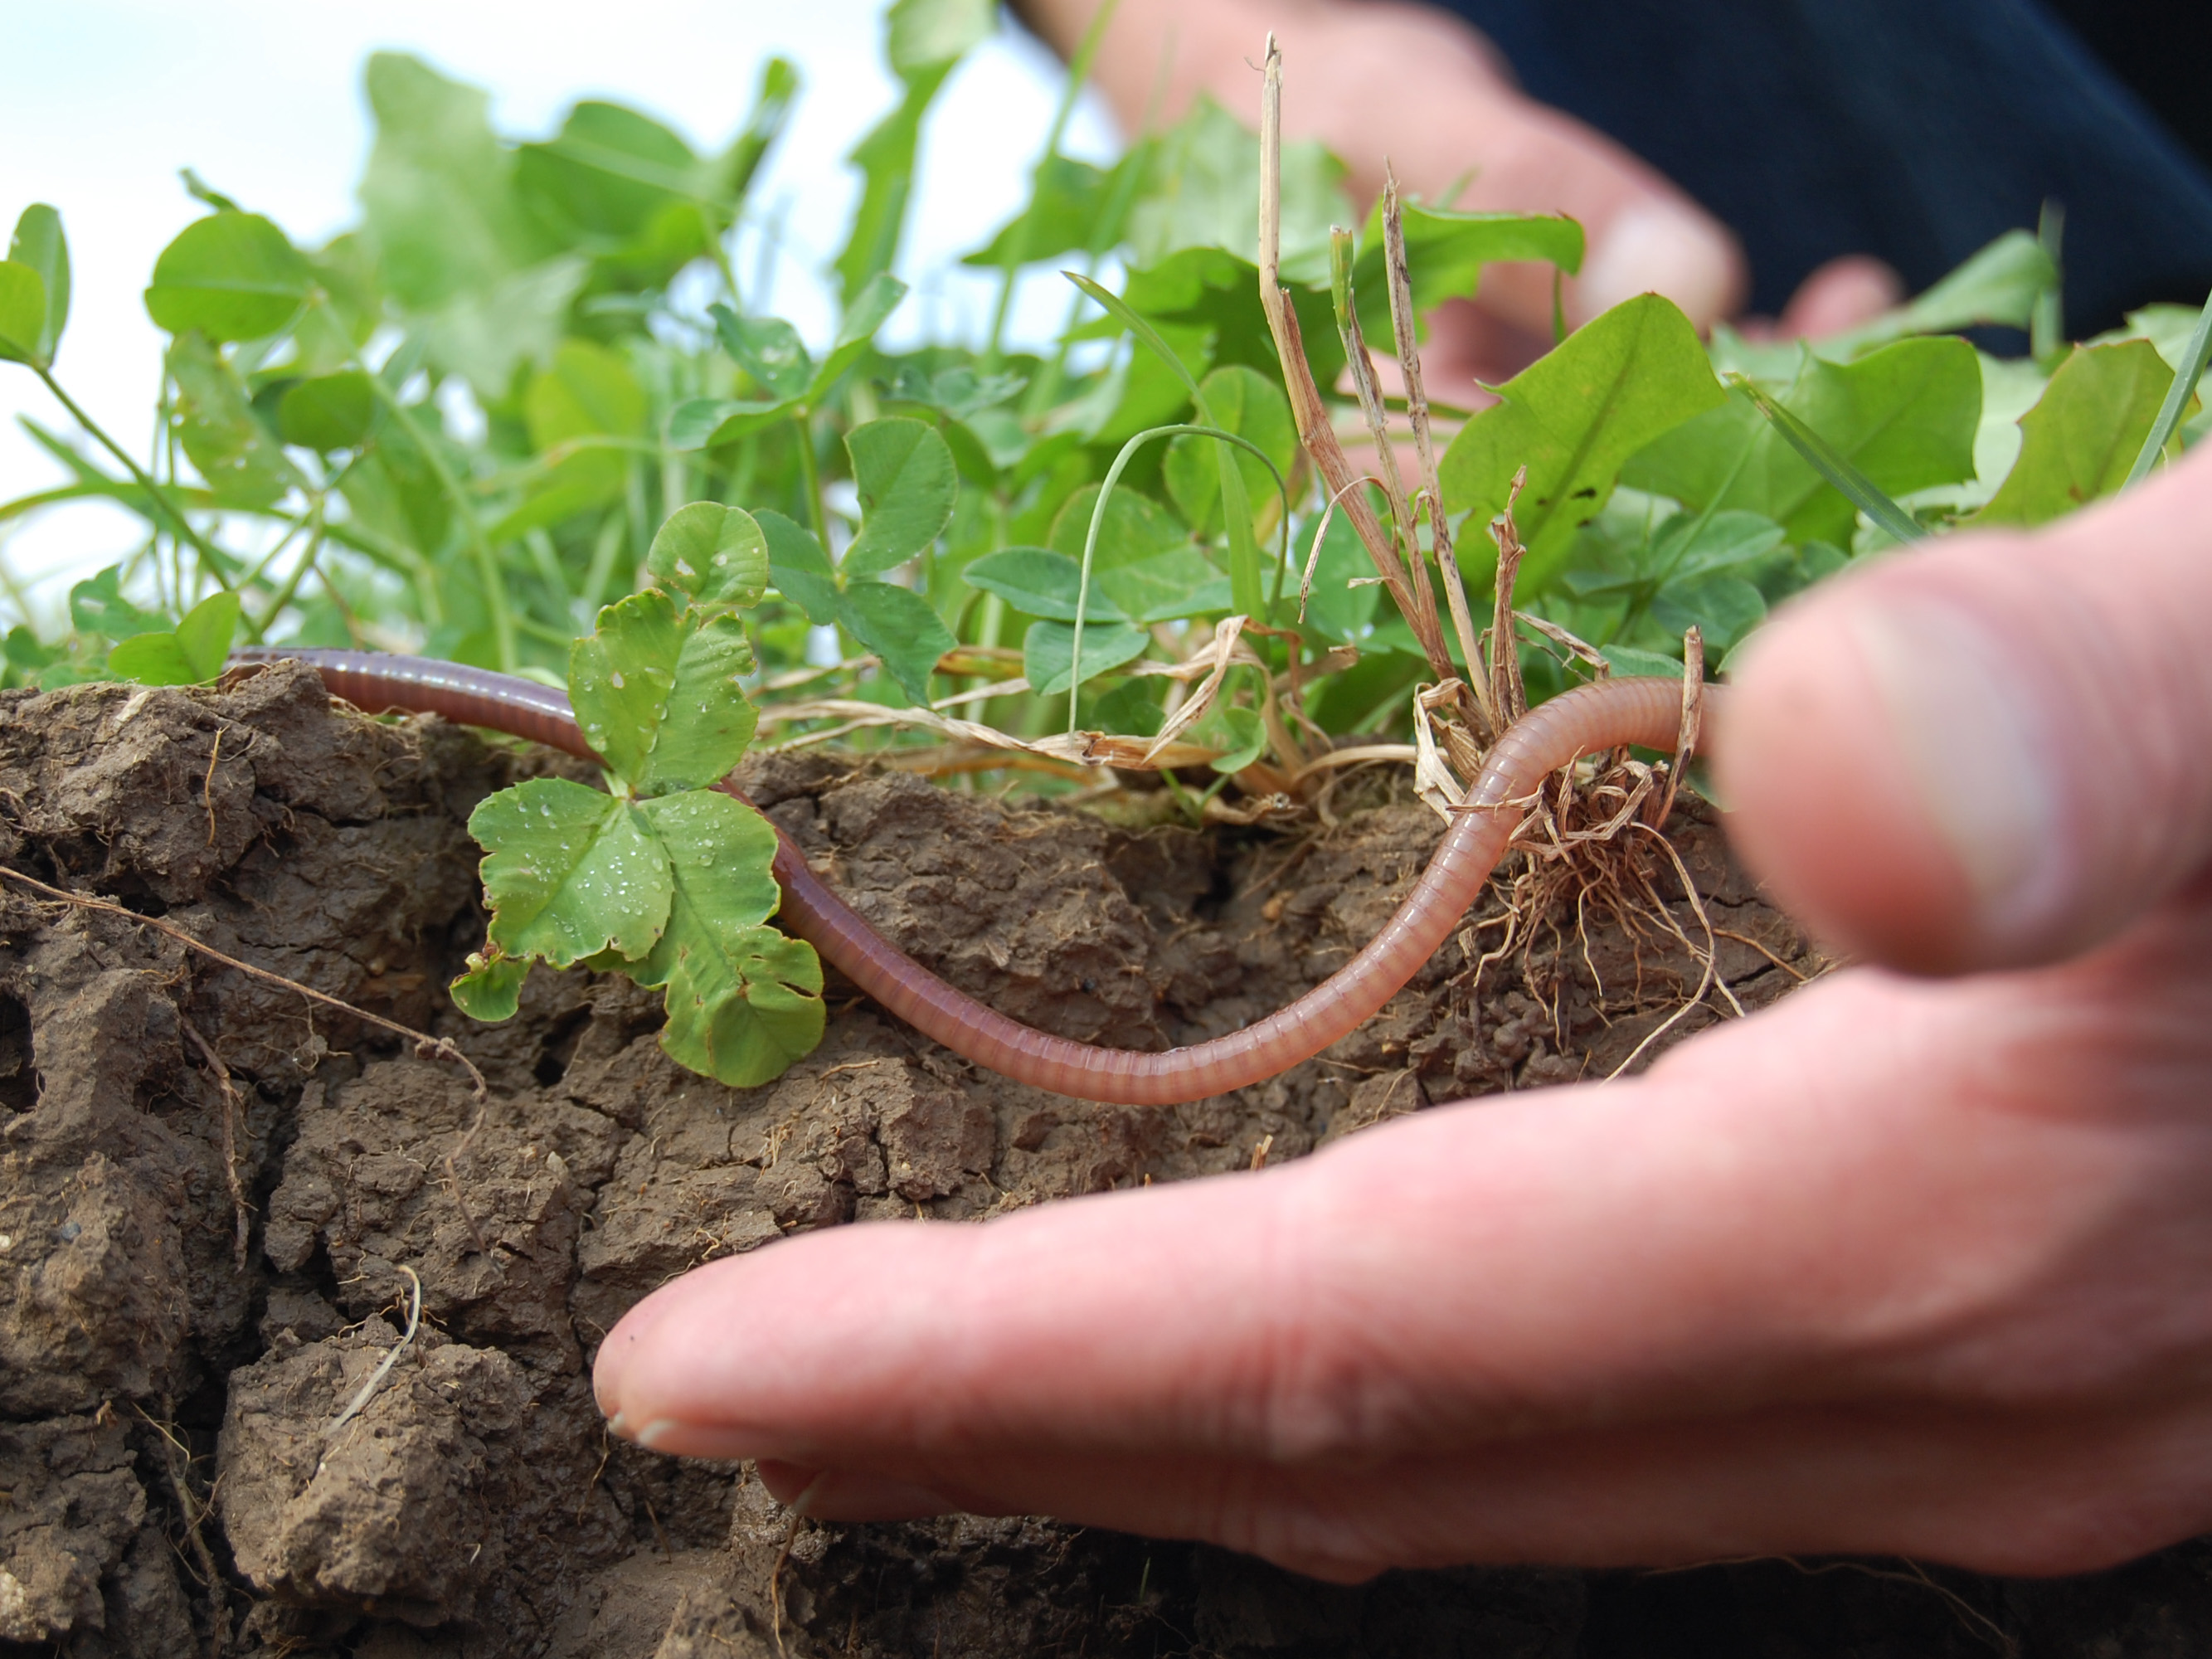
<point x="1591" y="718"/>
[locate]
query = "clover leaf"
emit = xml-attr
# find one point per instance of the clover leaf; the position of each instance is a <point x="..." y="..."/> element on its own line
<point x="570" y="872"/>
<point x="665" y="879"/>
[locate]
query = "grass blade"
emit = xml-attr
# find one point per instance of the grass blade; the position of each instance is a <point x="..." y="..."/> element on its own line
<point x="1859" y="489"/>
<point x="2046" y="324"/>
<point x="1099" y="519"/>
<point x="1236" y="505"/>
<point x="2185" y="376"/>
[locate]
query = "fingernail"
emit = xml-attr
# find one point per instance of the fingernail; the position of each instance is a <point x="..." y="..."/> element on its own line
<point x="666" y="1434"/>
<point x="1659" y="248"/>
<point x="1977" y="750"/>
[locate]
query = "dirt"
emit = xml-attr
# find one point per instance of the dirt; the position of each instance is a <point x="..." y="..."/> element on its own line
<point x="200" y="1269"/>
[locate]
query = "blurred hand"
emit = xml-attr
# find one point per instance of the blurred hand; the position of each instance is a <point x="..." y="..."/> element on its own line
<point x="1909" y="1265"/>
<point x="1375" y="79"/>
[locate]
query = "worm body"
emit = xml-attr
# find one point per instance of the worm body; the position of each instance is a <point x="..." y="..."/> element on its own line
<point x="1645" y="712"/>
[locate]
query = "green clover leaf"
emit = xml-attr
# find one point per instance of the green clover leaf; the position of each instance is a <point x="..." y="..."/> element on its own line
<point x="716" y="554"/>
<point x="659" y="696"/>
<point x="570" y="872"/>
<point x="744" y="1000"/>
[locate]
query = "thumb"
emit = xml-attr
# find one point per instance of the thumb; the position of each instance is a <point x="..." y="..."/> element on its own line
<point x="1992" y="753"/>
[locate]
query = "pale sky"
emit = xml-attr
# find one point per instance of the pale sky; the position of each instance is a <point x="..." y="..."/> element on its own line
<point x="102" y="100"/>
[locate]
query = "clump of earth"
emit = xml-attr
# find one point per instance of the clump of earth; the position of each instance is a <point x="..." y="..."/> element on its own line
<point x="218" y="1200"/>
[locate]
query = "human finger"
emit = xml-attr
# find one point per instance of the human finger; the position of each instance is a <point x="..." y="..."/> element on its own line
<point x="1997" y="751"/>
<point x="1840" y="296"/>
<point x="1415" y="86"/>
<point x="1743" y="1233"/>
<point x="1998" y="1491"/>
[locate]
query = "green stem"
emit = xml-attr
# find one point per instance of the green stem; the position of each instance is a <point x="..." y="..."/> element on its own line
<point x="2046" y="324"/>
<point x="811" y="474"/>
<point x="165" y="443"/>
<point x="294" y="527"/>
<point x="1640" y="598"/>
<point x="2178" y="395"/>
<point x="721" y="254"/>
<point x="675" y="483"/>
<point x="212" y="560"/>
<point x="494" y="581"/>
<point x="640" y="519"/>
<point x="14" y="588"/>
<point x="1099" y="519"/>
<point x="339" y="603"/>
<point x="255" y="630"/>
<point x="604" y="549"/>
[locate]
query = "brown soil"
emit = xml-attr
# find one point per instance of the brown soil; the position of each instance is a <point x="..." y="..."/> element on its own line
<point x="175" y="1475"/>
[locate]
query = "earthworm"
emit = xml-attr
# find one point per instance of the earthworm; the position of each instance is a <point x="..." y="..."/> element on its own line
<point x="1645" y="712"/>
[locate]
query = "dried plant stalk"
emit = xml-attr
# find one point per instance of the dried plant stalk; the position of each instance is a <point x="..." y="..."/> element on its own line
<point x="1306" y="409"/>
<point x="1694" y="714"/>
<point x="1507" y="696"/>
<point x="1417" y="416"/>
<point x="1361" y="367"/>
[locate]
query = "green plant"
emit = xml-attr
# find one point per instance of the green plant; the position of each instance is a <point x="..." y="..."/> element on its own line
<point x="662" y="877"/>
<point x="1139" y="544"/>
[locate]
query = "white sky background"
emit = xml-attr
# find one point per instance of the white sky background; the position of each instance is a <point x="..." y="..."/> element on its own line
<point x="102" y="100"/>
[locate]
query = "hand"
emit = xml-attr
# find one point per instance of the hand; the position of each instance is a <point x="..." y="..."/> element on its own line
<point x="1375" y="79"/>
<point x="1902" y="1264"/>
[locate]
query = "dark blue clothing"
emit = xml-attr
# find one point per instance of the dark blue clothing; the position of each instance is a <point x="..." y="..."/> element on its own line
<point x="1914" y="129"/>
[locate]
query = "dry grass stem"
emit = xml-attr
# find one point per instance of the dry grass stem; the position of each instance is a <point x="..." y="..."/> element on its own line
<point x="1321" y="533"/>
<point x="1358" y="755"/>
<point x="452" y="1160"/>
<point x="1976" y="1622"/>
<point x="1403" y="326"/>
<point x="1507" y="698"/>
<point x="799" y="1507"/>
<point x="1434" y="780"/>
<point x="366" y="1392"/>
<point x="1575" y="649"/>
<point x="1361" y="367"/>
<point x="1315" y="433"/>
<point x="1225" y="633"/>
<point x="206" y="783"/>
<point x="1694" y="714"/>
